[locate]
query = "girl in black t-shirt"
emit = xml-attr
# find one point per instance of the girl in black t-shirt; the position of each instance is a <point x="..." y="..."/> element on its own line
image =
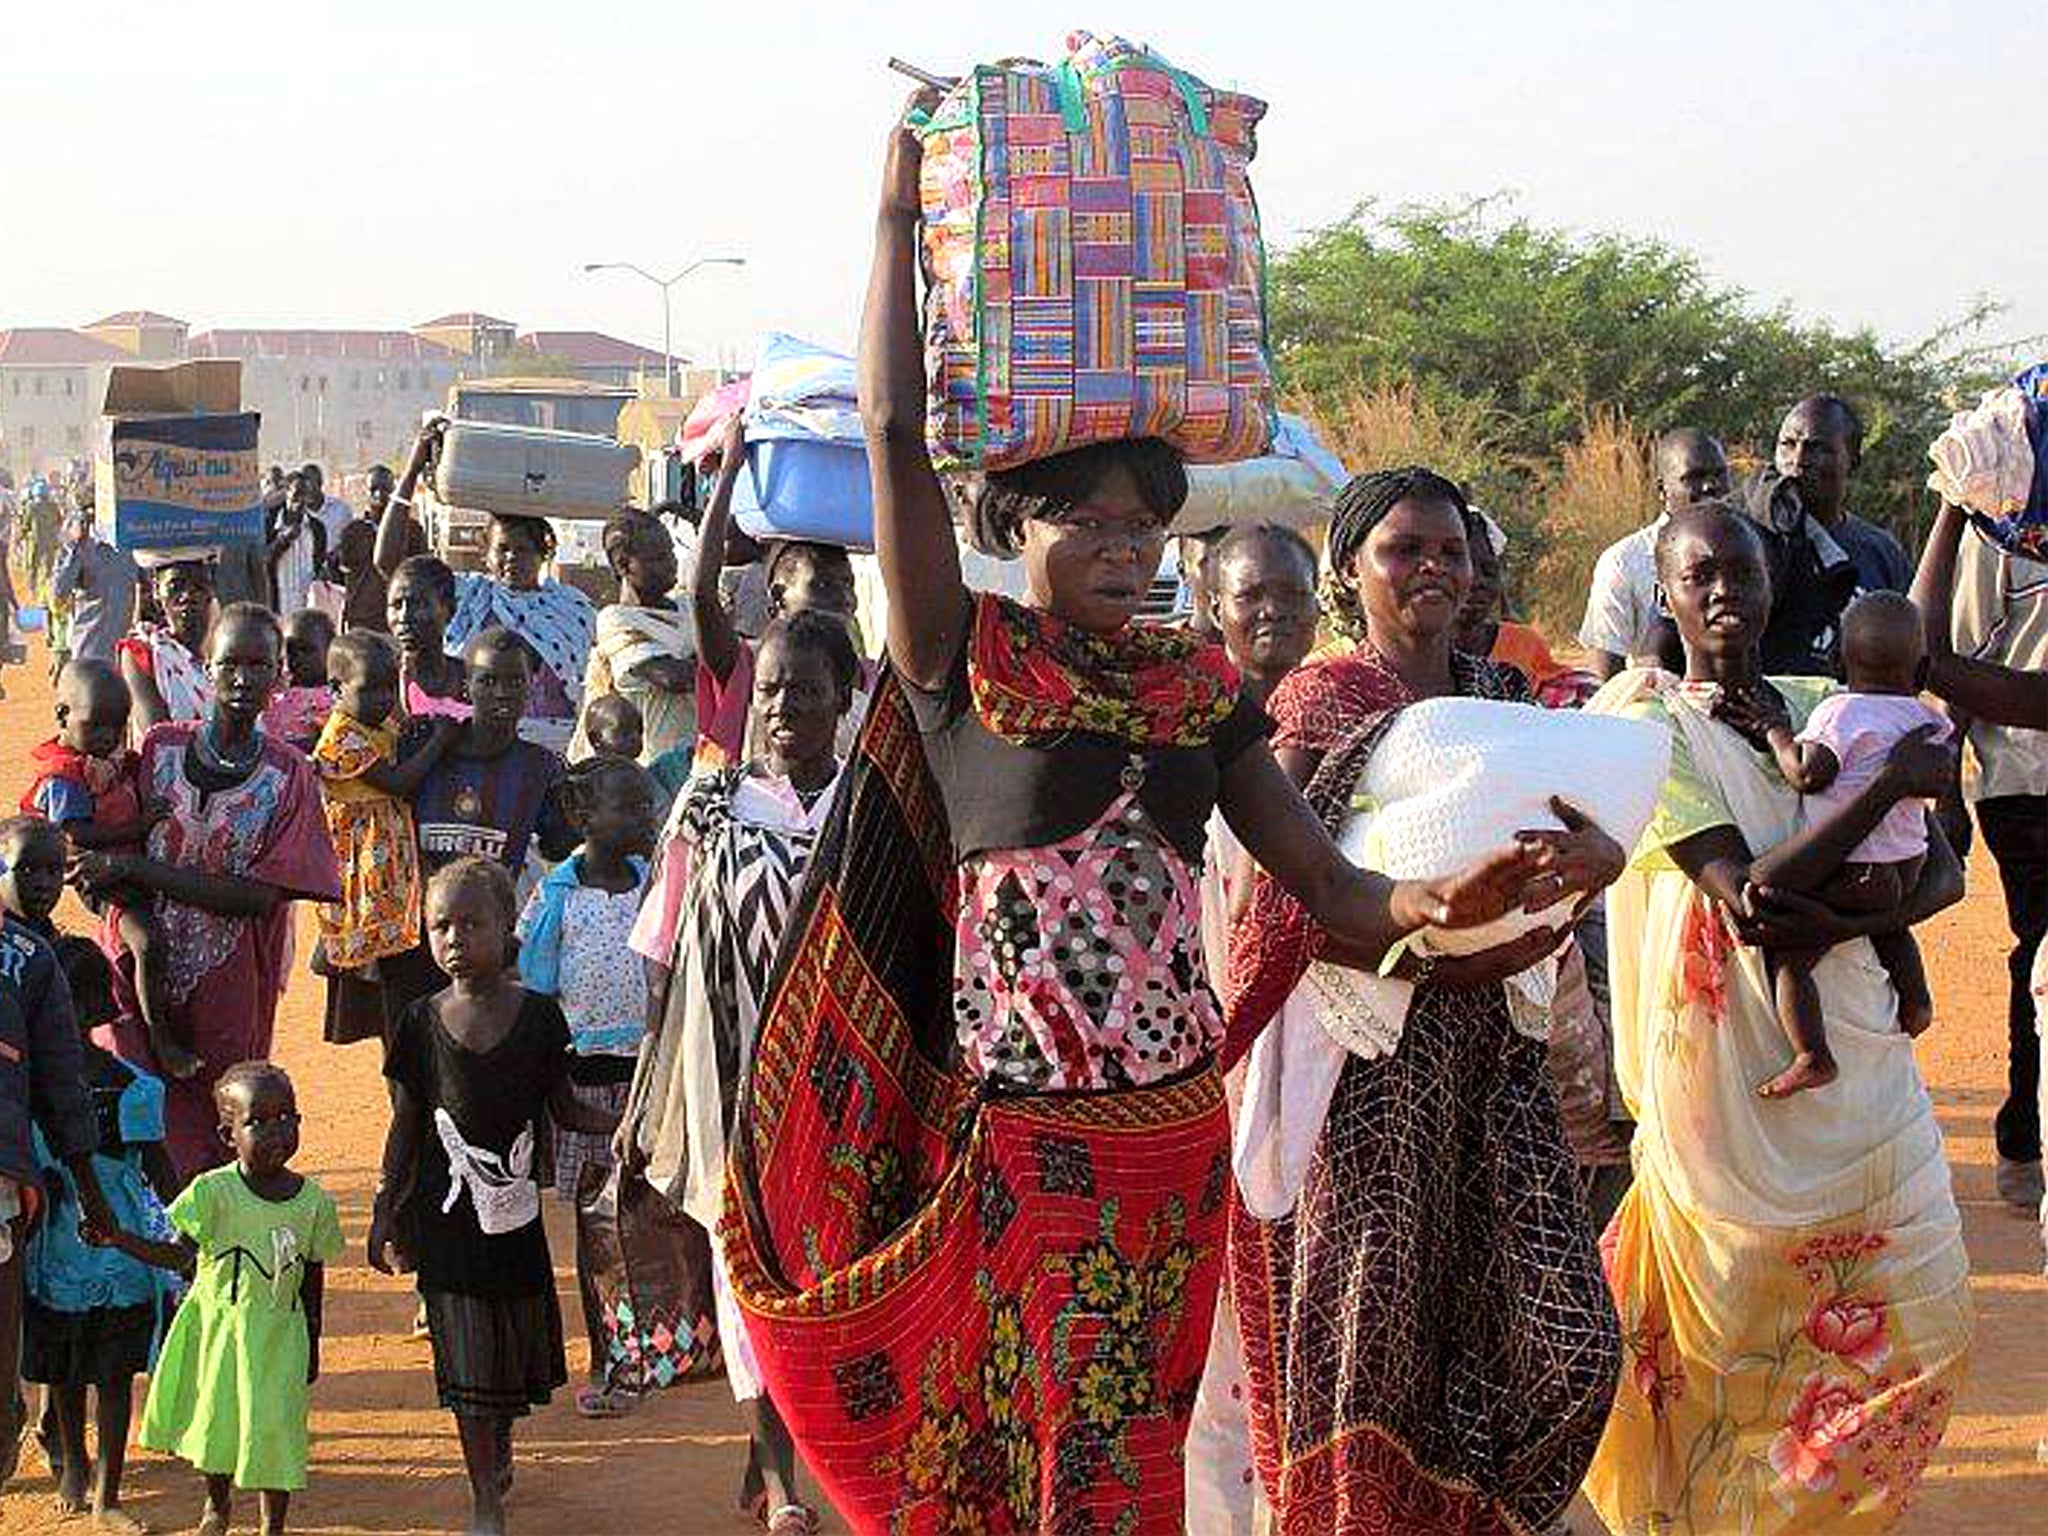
<point x="472" y="1069"/>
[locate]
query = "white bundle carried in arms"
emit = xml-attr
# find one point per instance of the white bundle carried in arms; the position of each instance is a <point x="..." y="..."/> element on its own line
<point x="1451" y="781"/>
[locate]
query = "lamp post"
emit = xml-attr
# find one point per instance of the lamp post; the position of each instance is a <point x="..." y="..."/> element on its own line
<point x="668" y="366"/>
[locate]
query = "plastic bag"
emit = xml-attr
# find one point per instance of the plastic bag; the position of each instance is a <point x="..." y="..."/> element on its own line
<point x="1984" y="460"/>
<point x="1295" y="485"/>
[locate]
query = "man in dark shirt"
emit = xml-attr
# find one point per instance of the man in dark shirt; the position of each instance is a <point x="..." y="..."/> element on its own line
<point x="355" y="567"/>
<point x="1820" y="445"/>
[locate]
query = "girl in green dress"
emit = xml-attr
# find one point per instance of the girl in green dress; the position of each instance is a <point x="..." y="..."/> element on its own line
<point x="230" y="1390"/>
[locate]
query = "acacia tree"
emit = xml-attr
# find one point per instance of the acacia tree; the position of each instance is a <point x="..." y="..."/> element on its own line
<point x="1545" y="329"/>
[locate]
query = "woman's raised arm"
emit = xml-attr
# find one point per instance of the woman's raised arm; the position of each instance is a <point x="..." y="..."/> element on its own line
<point x="718" y="642"/>
<point x="146" y="705"/>
<point x="1983" y="690"/>
<point x="928" y="608"/>
<point x="394" y="529"/>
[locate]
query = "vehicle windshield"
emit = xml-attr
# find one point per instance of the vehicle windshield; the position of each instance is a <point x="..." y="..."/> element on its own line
<point x="595" y="414"/>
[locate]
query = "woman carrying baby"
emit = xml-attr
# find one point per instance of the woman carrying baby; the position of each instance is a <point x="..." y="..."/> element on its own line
<point x="1790" y="1276"/>
<point x="1427" y="1335"/>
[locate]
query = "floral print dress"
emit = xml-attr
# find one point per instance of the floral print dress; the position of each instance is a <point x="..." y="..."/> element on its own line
<point x="1791" y="1281"/>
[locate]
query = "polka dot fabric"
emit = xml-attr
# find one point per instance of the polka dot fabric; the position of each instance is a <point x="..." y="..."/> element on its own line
<point x="1078" y="964"/>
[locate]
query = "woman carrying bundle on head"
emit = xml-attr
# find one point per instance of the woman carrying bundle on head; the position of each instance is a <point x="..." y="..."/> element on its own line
<point x="553" y="620"/>
<point x="978" y="1171"/>
<point x="801" y="577"/>
<point x="164" y="662"/>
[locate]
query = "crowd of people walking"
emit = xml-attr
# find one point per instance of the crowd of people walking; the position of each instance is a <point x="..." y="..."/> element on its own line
<point x="916" y="984"/>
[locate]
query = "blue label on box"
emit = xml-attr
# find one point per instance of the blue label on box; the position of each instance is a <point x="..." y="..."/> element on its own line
<point x="183" y="481"/>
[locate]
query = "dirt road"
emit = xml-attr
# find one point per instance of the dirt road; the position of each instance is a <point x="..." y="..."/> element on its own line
<point x="385" y="1459"/>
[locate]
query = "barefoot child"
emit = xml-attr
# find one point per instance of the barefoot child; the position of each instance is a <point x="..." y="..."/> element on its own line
<point x="366" y="791"/>
<point x="1845" y="743"/>
<point x="573" y="947"/>
<point x="230" y="1390"/>
<point x="300" y="708"/>
<point x="85" y="783"/>
<point x="472" y="1070"/>
<point x="91" y="1315"/>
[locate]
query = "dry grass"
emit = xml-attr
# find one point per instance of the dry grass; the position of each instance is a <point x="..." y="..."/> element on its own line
<point x="1391" y="425"/>
<point x="1599" y="489"/>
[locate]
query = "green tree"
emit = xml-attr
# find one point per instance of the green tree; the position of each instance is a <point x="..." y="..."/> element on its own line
<point x="1545" y="329"/>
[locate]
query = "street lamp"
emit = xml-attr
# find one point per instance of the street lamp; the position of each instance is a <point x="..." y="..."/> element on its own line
<point x="668" y="367"/>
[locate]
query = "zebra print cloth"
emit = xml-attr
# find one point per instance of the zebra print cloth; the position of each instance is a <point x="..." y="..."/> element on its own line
<point x="752" y="840"/>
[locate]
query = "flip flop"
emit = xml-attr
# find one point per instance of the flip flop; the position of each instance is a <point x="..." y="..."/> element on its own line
<point x="606" y="1403"/>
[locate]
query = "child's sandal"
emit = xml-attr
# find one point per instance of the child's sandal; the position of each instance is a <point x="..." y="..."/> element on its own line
<point x="606" y="1402"/>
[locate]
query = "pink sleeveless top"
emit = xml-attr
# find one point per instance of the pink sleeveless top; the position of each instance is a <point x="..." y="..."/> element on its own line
<point x="422" y="705"/>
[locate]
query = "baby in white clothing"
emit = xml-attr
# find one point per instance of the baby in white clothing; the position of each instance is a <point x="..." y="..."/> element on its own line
<point x="1830" y="763"/>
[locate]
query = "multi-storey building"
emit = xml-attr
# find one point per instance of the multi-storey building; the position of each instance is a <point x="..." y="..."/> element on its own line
<point x="52" y="381"/>
<point x="344" y="399"/>
<point x="340" y="399"/>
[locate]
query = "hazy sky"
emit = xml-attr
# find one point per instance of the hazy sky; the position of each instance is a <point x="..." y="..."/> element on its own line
<point x="380" y="163"/>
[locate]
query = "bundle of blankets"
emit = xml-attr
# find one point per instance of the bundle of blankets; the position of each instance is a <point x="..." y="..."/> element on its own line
<point x="1992" y="461"/>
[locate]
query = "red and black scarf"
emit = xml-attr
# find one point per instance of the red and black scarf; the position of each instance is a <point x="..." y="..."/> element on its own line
<point x="1035" y="677"/>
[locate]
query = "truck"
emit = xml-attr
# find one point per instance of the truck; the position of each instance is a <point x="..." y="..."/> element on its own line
<point x="456" y="534"/>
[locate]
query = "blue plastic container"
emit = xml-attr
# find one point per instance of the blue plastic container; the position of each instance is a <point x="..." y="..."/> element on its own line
<point x="806" y="488"/>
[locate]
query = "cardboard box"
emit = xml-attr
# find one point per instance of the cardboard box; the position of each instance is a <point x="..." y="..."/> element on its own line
<point x="178" y="465"/>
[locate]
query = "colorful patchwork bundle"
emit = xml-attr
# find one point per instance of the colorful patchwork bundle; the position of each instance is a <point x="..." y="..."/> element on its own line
<point x="1095" y="263"/>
